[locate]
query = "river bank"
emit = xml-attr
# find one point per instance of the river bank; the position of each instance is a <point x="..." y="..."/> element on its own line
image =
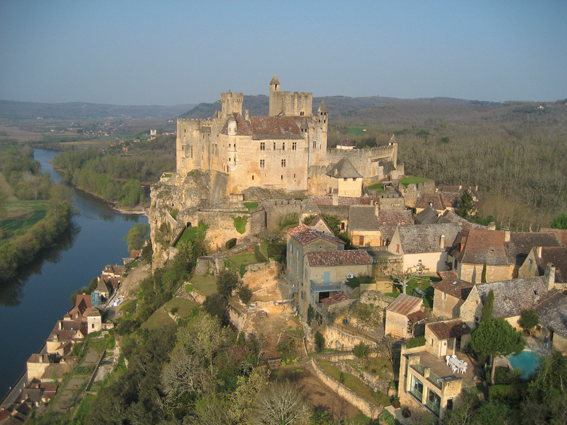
<point x="31" y="304"/>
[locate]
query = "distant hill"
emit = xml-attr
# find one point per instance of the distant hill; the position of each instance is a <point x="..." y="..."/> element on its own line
<point x="337" y="105"/>
<point x="78" y="110"/>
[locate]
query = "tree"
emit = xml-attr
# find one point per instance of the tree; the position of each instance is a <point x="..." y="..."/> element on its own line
<point x="226" y="282"/>
<point x="528" y="320"/>
<point x="397" y="273"/>
<point x="483" y="275"/>
<point x="137" y="236"/>
<point x="282" y="404"/>
<point x="560" y="222"/>
<point x="216" y="305"/>
<point x="466" y="207"/>
<point x="488" y="307"/>
<point x="333" y="222"/>
<point x="496" y="337"/>
<point x="245" y="294"/>
<point x="319" y="341"/>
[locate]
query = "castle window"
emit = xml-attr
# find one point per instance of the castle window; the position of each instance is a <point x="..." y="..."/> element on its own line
<point x="301" y="113"/>
<point x="229" y="145"/>
<point x="262" y="163"/>
<point x="294" y="146"/>
<point x="281" y="177"/>
<point x="283" y="162"/>
<point x="235" y="146"/>
<point x="252" y="176"/>
<point x="229" y="159"/>
<point x="262" y="146"/>
<point x="314" y="144"/>
<point x="283" y="146"/>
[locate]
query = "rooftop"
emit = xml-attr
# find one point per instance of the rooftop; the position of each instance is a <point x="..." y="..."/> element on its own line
<point x="427" y="237"/>
<point x="363" y="218"/>
<point x="305" y="235"/>
<point x="477" y="246"/>
<point x="556" y="256"/>
<point x="552" y="312"/>
<point x="339" y="258"/>
<point x="452" y="285"/>
<point x="405" y="304"/>
<point x="521" y="243"/>
<point x="344" y="169"/>
<point x="445" y="330"/>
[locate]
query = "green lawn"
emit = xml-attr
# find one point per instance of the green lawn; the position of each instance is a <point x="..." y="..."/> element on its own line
<point x="424" y="283"/>
<point x="409" y="180"/>
<point x="204" y="284"/>
<point x="243" y="259"/>
<point x="251" y="205"/>
<point x="264" y="247"/>
<point x="183" y="306"/>
<point x="157" y="320"/>
<point x="23" y="214"/>
<point x="349" y="381"/>
<point x="189" y="234"/>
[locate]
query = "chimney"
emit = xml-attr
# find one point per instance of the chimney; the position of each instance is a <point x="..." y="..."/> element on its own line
<point x="550" y="276"/>
<point x="506" y="232"/>
<point x="539" y="249"/>
<point x="376" y="209"/>
<point x="246" y="115"/>
<point x="442" y="242"/>
<point x="492" y="226"/>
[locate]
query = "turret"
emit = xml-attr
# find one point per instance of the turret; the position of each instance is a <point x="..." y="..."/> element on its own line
<point x="231" y="103"/>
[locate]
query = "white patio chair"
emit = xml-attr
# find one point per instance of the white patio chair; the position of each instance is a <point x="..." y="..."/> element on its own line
<point x="447" y="358"/>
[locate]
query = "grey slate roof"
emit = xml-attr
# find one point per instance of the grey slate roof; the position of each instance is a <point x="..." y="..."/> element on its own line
<point x="521" y="243"/>
<point x="363" y="218"/>
<point x="428" y="216"/>
<point x="343" y="169"/>
<point x="309" y="207"/>
<point x="552" y="312"/>
<point x="341" y="211"/>
<point x="511" y="297"/>
<point x="427" y="237"/>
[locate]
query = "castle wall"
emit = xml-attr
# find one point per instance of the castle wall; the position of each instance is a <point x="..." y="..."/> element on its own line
<point x="222" y="228"/>
<point x="268" y="163"/>
<point x="277" y="208"/>
<point x="292" y="105"/>
<point x="365" y="160"/>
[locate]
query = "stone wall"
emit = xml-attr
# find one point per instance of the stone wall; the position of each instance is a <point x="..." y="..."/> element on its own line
<point x="221" y="225"/>
<point x="369" y="409"/>
<point x="278" y="208"/>
<point x="341" y="340"/>
<point x="415" y="190"/>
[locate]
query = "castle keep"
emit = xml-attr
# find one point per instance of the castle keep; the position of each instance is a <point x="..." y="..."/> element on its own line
<point x="285" y="150"/>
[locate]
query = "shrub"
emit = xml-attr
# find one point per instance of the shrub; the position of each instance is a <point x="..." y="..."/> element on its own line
<point x="528" y="319"/>
<point x="245" y="294"/>
<point x="319" y="341"/>
<point x="188" y="288"/>
<point x="361" y="350"/>
<point x="258" y="254"/>
<point x="226" y="282"/>
<point x="174" y="310"/>
<point x="276" y="249"/>
<point x="415" y="342"/>
<point x="230" y="243"/>
<point x="506" y="376"/>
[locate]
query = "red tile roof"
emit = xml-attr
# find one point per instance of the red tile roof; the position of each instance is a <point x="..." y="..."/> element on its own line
<point x="345" y="200"/>
<point x="481" y="246"/>
<point x="561" y="235"/>
<point x="335" y="299"/>
<point x="339" y="258"/>
<point x="444" y="330"/>
<point x="452" y="285"/>
<point x="405" y="304"/>
<point x="260" y="125"/>
<point x="305" y="235"/>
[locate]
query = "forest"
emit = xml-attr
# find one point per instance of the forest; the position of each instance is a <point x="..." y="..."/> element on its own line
<point x="33" y="210"/>
<point x="117" y="174"/>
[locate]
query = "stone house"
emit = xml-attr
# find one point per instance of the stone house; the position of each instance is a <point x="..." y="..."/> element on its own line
<point x="363" y="226"/>
<point x="65" y="331"/>
<point x="344" y="180"/>
<point x="399" y="324"/>
<point x="519" y="244"/>
<point x="94" y="320"/>
<point x="36" y="365"/>
<point x="511" y="297"/>
<point x="113" y="271"/>
<point x="446" y="338"/>
<point x="426" y="380"/>
<point x="326" y="272"/>
<point x="426" y="244"/>
<point x="473" y="249"/>
<point x="539" y="257"/>
<point x="320" y="225"/>
<point x="303" y="239"/>
<point x="552" y="313"/>
<point x="449" y="294"/>
<point x="389" y="220"/>
<point x="104" y="286"/>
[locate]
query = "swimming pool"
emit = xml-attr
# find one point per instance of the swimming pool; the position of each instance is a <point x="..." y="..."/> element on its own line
<point x="527" y="361"/>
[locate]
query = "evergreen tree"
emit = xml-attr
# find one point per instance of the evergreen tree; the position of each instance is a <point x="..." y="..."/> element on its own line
<point x="488" y="308"/>
<point x="466" y="205"/>
<point x="560" y="222"/>
<point x="483" y="276"/>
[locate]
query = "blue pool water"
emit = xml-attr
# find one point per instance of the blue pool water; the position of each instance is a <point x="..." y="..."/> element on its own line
<point x="527" y="361"/>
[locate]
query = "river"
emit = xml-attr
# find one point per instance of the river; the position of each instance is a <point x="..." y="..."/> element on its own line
<point x="30" y="306"/>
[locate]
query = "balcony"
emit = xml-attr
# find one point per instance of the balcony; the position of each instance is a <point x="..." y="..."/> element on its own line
<point x="326" y="287"/>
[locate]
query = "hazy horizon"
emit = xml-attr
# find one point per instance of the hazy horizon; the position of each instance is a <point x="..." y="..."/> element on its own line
<point x="140" y="53"/>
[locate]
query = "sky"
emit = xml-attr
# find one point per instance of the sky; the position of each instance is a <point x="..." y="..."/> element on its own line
<point x="172" y="52"/>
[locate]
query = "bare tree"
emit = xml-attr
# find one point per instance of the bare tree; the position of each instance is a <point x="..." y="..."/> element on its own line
<point x="282" y="404"/>
<point x="401" y="275"/>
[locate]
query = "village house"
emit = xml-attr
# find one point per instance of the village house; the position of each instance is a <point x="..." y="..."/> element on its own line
<point x="402" y="314"/>
<point x="447" y="338"/>
<point x="344" y="180"/>
<point x="363" y="226"/>
<point x="449" y="295"/>
<point x="425" y="245"/>
<point x="552" y="314"/>
<point x="511" y="297"/>
<point x="539" y="257"/>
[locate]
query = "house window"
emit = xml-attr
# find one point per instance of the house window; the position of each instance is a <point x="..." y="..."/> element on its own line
<point x="530" y="265"/>
<point x="252" y="176"/>
<point x="283" y="146"/>
<point x="354" y="179"/>
<point x="345" y="179"/>
<point x="398" y="248"/>
<point x="283" y="163"/>
<point x="431" y="342"/>
<point x="262" y="163"/>
<point x="294" y="146"/>
<point x="262" y="146"/>
<point x="361" y="240"/>
<point x="314" y="144"/>
<point x="449" y="404"/>
<point x="444" y="295"/>
<point x="274" y="145"/>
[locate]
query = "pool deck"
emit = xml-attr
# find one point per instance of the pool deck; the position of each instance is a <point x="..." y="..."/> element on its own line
<point x="532" y="344"/>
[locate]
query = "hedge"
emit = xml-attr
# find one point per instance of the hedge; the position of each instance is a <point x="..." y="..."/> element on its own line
<point x="230" y="243"/>
<point x="415" y="342"/>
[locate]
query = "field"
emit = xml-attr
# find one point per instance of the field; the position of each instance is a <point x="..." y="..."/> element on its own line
<point x="189" y="234"/>
<point x="183" y="306"/>
<point x="409" y="180"/>
<point x="357" y="131"/>
<point x="21" y="215"/>
<point x="205" y="284"/>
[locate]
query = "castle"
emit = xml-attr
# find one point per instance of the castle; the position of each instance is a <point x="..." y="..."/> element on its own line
<point x="285" y="150"/>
